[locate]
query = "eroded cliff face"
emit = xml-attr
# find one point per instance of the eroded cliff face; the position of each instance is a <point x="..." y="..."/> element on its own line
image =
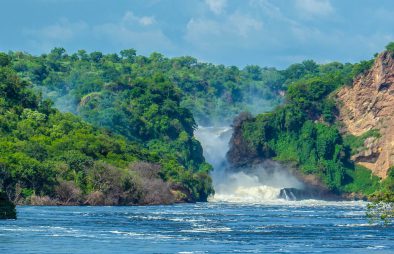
<point x="240" y="153"/>
<point x="368" y="105"/>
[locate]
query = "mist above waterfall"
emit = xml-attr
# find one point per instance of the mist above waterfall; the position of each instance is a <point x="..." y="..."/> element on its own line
<point x="257" y="183"/>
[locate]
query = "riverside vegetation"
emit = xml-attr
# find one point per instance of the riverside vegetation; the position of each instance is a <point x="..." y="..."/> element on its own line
<point x="122" y="132"/>
<point x="49" y="157"/>
<point x="305" y="132"/>
<point x="128" y="135"/>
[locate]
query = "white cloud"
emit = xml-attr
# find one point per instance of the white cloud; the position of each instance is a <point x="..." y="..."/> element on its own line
<point x="127" y="37"/>
<point x="270" y="10"/>
<point x="146" y="21"/>
<point x="235" y="29"/>
<point x="61" y="31"/>
<point x="216" y="6"/>
<point x="129" y="31"/>
<point x="245" y="25"/>
<point x="314" y="7"/>
<point x="58" y="34"/>
<point x="130" y="18"/>
<point x="133" y="31"/>
<point x="263" y="27"/>
<point x="290" y="27"/>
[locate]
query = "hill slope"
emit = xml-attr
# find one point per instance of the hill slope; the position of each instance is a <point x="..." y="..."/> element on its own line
<point x="49" y="157"/>
<point x="331" y="119"/>
<point x="213" y="93"/>
<point x="369" y="105"/>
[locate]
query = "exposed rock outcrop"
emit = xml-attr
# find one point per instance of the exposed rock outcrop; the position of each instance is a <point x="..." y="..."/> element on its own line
<point x="295" y="194"/>
<point x="240" y="153"/>
<point x="367" y="105"/>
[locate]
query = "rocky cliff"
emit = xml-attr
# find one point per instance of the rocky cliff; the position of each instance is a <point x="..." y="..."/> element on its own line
<point x="369" y="105"/>
<point x="240" y="152"/>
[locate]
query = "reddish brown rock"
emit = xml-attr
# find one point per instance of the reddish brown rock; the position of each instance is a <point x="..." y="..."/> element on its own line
<point x="369" y="104"/>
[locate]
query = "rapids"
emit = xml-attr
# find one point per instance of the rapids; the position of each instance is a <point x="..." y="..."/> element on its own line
<point x="257" y="184"/>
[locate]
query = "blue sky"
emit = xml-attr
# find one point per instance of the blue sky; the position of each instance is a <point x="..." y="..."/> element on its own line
<point x="231" y="32"/>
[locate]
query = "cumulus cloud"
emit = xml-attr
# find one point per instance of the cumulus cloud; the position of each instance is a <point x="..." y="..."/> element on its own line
<point x="133" y="31"/>
<point x="267" y="32"/>
<point x="245" y="25"/>
<point x="314" y="7"/>
<point x="292" y="28"/>
<point x="129" y="31"/>
<point x="127" y="37"/>
<point x="233" y="29"/>
<point x="130" y="18"/>
<point x="216" y="6"/>
<point x="61" y="31"/>
<point x="58" y="34"/>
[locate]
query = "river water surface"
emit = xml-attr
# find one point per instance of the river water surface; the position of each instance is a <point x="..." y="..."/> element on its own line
<point x="216" y="227"/>
<point x="246" y="215"/>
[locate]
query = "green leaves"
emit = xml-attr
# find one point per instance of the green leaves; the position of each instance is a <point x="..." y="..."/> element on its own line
<point x="381" y="209"/>
<point x="303" y="132"/>
<point x="390" y="47"/>
<point x="45" y="152"/>
<point x="4" y="60"/>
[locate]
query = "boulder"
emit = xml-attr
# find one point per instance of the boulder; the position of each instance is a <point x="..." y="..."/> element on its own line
<point x="7" y="208"/>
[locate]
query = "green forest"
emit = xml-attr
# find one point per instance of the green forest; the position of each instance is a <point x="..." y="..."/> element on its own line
<point x="85" y="83"/>
<point x="146" y="155"/>
<point x="303" y="132"/>
<point x="117" y="129"/>
<point x="112" y="129"/>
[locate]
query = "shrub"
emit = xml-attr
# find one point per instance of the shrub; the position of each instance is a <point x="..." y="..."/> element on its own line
<point x="390" y="47"/>
<point x="381" y="208"/>
<point x="41" y="200"/>
<point x="153" y="189"/>
<point x="68" y="193"/>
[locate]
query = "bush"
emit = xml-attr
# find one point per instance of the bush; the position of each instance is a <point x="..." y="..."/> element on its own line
<point x="381" y="208"/>
<point x="108" y="180"/>
<point x="390" y="47"/>
<point x="41" y="201"/>
<point x="153" y="189"/>
<point x="155" y="192"/>
<point x="68" y="193"/>
<point x="363" y="181"/>
<point x="95" y="198"/>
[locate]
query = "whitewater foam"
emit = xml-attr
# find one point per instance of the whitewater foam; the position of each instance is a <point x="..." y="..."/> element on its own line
<point x="258" y="184"/>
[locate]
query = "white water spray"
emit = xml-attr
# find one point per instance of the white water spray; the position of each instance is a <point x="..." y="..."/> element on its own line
<point x="255" y="184"/>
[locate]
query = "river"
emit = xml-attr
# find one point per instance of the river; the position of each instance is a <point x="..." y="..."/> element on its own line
<point x="246" y="215"/>
<point x="215" y="227"/>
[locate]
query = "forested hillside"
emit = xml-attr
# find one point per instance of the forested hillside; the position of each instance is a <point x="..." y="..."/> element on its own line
<point x="306" y="131"/>
<point x="90" y="128"/>
<point x="133" y="139"/>
<point x="49" y="157"/>
<point x="85" y="82"/>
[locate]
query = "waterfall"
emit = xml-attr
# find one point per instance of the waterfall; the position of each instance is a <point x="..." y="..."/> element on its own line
<point x="254" y="184"/>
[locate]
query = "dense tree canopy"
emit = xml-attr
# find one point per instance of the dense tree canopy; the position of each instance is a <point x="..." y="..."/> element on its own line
<point x="48" y="156"/>
<point x="303" y="131"/>
<point x="213" y="93"/>
<point x="130" y="114"/>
